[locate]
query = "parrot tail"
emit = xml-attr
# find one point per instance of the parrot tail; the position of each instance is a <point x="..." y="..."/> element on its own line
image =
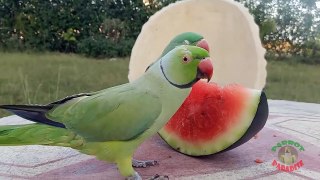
<point x="38" y="134"/>
<point x="35" y="113"/>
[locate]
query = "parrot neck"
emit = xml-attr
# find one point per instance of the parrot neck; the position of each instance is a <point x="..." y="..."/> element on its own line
<point x="181" y="86"/>
<point x="156" y="74"/>
<point x="171" y="97"/>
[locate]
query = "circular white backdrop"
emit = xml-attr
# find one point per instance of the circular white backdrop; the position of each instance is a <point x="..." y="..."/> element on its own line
<point x="233" y="37"/>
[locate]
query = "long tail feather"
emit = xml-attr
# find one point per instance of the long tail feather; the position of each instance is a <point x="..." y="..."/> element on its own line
<point x="38" y="134"/>
<point x="35" y="113"/>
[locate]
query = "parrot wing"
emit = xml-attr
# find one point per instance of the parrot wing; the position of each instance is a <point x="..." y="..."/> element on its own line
<point x="120" y="113"/>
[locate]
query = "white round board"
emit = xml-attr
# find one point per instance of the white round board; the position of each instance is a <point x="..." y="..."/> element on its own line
<point x="233" y="37"/>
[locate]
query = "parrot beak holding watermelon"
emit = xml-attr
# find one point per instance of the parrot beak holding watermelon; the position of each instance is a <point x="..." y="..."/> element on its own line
<point x="205" y="70"/>
<point x="110" y="124"/>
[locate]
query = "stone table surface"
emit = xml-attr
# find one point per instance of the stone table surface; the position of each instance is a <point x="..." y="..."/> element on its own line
<point x="287" y="120"/>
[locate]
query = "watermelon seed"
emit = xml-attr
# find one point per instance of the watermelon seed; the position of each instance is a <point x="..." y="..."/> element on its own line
<point x="274" y="135"/>
<point x="258" y="161"/>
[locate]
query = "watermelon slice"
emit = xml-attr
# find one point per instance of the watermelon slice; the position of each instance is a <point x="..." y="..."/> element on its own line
<point x="215" y="119"/>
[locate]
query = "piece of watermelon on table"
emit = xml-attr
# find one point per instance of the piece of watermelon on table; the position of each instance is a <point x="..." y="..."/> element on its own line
<point x="215" y="119"/>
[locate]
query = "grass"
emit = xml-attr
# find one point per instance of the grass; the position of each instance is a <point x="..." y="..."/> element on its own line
<point x="42" y="78"/>
<point x="294" y="81"/>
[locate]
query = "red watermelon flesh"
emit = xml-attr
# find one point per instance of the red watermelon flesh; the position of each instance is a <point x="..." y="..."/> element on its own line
<point x="211" y="119"/>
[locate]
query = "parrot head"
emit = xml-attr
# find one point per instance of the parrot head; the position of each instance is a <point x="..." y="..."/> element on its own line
<point x="186" y="38"/>
<point x="185" y="65"/>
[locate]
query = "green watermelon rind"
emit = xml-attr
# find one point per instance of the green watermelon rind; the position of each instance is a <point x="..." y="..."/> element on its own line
<point x="220" y="143"/>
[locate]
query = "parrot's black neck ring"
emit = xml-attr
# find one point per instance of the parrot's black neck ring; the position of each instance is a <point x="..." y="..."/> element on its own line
<point x="180" y="86"/>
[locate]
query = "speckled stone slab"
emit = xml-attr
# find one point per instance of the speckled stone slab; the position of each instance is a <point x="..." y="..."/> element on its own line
<point x="295" y="121"/>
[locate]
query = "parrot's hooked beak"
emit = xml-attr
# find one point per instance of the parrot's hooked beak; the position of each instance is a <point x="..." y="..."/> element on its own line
<point x="205" y="69"/>
<point x="203" y="44"/>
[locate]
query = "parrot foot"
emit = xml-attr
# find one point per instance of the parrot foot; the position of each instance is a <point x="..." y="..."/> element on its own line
<point x="158" y="177"/>
<point x="143" y="164"/>
<point x="136" y="176"/>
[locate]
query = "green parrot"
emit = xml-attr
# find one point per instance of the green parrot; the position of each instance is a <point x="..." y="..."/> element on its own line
<point x="110" y="124"/>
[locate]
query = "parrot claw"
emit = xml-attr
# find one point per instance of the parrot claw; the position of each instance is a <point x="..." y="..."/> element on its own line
<point x="143" y="164"/>
<point x="136" y="176"/>
<point x="158" y="177"/>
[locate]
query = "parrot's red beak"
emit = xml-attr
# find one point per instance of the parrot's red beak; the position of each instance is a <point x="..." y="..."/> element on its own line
<point x="203" y="44"/>
<point x="205" y="69"/>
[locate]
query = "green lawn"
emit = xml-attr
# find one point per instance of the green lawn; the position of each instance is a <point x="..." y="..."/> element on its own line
<point x="293" y="81"/>
<point x="41" y="78"/>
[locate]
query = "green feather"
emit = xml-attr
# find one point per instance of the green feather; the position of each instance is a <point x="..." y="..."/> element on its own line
<point x="13" y="135"/>
<point x="101" y="112"/>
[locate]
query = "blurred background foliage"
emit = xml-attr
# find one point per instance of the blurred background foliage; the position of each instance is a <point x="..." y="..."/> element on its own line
<point x="108" y="28"/>
<point x="288" y="28"/>
<point x="97" y="28"/>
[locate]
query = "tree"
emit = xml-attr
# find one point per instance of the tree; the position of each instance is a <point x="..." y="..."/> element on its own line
<point x="100" y="28"/>
<point x="285" y="26"/>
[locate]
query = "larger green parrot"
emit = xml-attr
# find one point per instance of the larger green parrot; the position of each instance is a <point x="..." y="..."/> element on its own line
<point x="187" y="38"/>
<point x="110" y="124"/>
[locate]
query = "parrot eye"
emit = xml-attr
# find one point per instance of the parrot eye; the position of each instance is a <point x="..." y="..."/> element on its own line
<point x="186" y="59"/>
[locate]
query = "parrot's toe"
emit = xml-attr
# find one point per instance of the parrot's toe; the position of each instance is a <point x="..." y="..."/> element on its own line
<point x="136" y="176"/>
<point x="158" y="177"/>
<point x="143" y="164"/>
